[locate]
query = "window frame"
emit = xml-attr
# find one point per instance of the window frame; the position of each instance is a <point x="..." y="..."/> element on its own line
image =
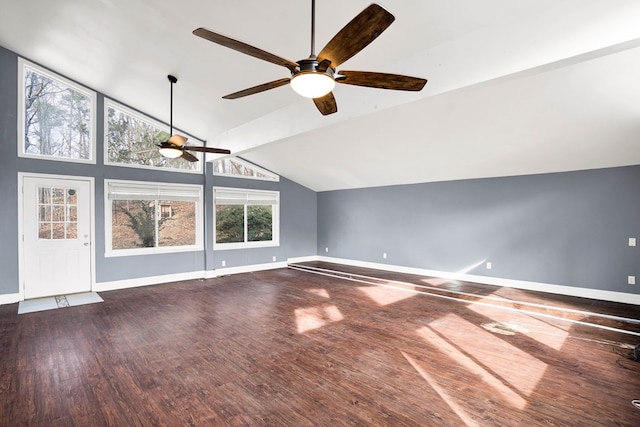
<point x="269" y="176"/>
<point x="275" y="218"/>
<point x="152" y="187"/>
<point x="108" y="102"/>
<point x="93" y="96"/>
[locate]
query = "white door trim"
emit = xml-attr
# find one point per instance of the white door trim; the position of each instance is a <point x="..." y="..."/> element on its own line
<point x="92" y="227"/>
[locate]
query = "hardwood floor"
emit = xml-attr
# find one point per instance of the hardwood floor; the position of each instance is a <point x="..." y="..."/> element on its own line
<point x="293" y="348"/>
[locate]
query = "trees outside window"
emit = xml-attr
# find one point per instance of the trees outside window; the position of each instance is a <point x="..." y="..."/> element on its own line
<point x="131" y="140"/>
<point x="245" y="218"/>
<point x="57" y="117"/>
<point x="137" y="221"/>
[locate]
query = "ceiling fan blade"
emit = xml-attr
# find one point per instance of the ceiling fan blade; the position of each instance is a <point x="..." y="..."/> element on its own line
<point x="258" y="89"/>
<point x="189" y="157"/>
<point x="178" y="140"/>
<point x="381" y="80"/>
<point x="243" y="47"/>
<point x="327" y="104"/>
<point x="207" y="149"/>
<point x="356" y="35"/>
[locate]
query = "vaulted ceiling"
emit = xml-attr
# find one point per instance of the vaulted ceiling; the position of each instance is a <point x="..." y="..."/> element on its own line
<point x="515" y="87"/>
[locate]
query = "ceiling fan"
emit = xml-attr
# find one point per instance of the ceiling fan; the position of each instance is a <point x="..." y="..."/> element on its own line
<point x="175" y="146"/>
<point x="316" y="76"/>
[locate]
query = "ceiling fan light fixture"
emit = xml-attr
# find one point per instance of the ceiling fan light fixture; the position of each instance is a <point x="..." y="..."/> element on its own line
<point x="314" y="84"/>
<point x="170" y="152"/>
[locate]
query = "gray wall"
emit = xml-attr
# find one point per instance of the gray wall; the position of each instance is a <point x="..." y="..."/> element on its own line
<point x="298" y="224"/>
<point x="566" y="228"/>
<point x="298" y="204"/>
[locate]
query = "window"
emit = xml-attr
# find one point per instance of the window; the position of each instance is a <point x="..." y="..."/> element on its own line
<point x="238" y="168"/>
<point x="245" y="218"/>
<point x="145" y="217"/>
<point x="56" y="116"/>
<point x="131" y="138"/>
<point x="57" y="213"/>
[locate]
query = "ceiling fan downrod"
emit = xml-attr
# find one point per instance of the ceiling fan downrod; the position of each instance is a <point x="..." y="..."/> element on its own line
<point x="173" y="80"/>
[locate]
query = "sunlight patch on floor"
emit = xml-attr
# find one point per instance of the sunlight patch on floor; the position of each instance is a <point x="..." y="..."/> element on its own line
<point x="383" y="295"/>
<point x="320" y="292"/>
<point x="458" y="408"/>
<point x="505" y="392"/>
<point x="486" y="352"/>
<point x="311" y="318"/>
<point x="549" y="334"/>
<point x="437" y="281"/>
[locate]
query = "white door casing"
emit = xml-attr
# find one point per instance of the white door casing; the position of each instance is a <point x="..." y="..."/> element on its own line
<point x="56" y="254"/>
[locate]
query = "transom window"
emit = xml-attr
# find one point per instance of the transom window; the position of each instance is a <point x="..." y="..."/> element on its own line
<point x="57" y="116"/>
<point x="238" y="168"/>
<point x="131" y="140"/>
<point x="143" y="217"/>
<point x="245" y="218"/>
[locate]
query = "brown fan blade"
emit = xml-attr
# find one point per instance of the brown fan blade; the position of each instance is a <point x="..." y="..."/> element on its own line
<point x="381" y="80"/>
<point x="178" y="140"/>
<point x="189" y="157"/>
<point x="257" y="89"/>
<point x="327" y="104"/>
<point x="243" y="48"/>
<point x="356" y="35"/>
<point x="207" y="149"/>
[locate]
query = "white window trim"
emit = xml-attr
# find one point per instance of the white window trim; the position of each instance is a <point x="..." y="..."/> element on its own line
<point x="153" y="186"/>
<point x="140" y="116"/>
<point x="22" y="63"/>
<point x="271" y="177"/>
<point x="249" y="245"/>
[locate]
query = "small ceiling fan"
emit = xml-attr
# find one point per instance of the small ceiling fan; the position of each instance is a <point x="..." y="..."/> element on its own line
<point x="316" y="76"/>
<point x="175" y="146"/>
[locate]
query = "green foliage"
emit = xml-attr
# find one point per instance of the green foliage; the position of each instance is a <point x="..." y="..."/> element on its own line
<point x="229" y="223"/>
<point x="259" y="223"/>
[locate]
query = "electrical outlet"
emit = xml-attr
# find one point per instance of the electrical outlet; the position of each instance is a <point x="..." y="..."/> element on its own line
<point x="489" y="266"/>
<point x="326" y="249"/>
<point x="224" y="263"/>
<point x="631" y="280"/>
<point x="274" y="258"/>
<point x="632" y="241"/>
<point x="384" y="255"/>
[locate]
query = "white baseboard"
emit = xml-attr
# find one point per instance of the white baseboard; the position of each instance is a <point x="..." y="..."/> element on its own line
<point x="146" y="281"/>
<point x="303" y="259"/>
<point x="598" y="294"/>
<point x="245" y="269"/>
<point x="10" y="298"/>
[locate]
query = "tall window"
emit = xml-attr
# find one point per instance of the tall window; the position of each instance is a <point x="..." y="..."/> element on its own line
<point x="57" y="116"/>
<point x="131" y="140"/>
<point x="246" y="218"/>
<point x="143" y="217"/>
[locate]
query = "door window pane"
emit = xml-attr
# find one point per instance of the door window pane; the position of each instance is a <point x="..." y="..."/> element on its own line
<point x="57" y="213"/>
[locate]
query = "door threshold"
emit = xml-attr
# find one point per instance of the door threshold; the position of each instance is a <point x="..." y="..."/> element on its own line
<point x="59" y="301"/>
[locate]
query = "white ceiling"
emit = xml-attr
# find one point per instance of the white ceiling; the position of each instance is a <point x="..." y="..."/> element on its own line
<point x="515" y="87"/>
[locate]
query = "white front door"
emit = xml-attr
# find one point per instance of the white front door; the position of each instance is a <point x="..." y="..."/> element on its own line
<point x="56" y="258"/>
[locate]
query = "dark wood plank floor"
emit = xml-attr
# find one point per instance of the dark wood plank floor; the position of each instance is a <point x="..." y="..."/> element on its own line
<point x="291" y="348"/>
